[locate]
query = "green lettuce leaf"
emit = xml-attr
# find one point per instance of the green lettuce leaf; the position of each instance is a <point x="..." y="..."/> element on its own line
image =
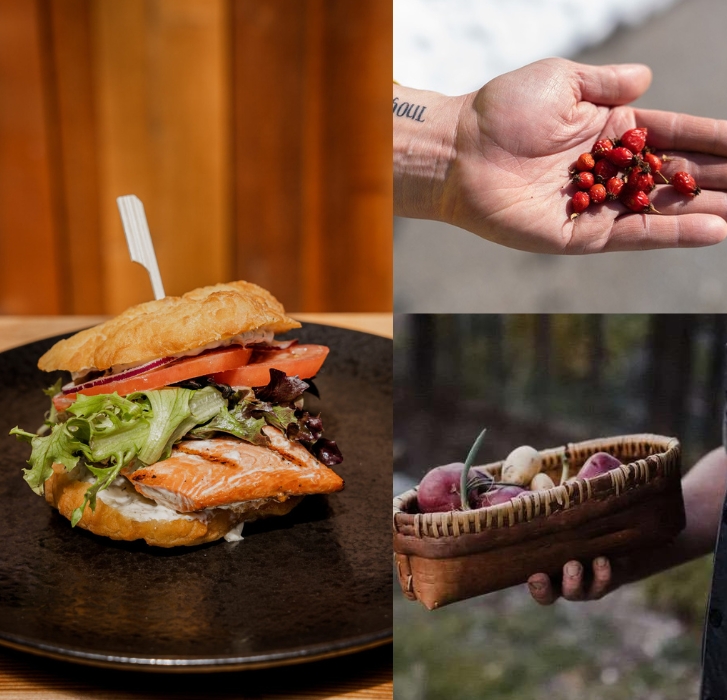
<point x="244" y="427"/>
<point x="110" y="433"/>
<point x="60" y="447"/>
<point x="51" y="415"/>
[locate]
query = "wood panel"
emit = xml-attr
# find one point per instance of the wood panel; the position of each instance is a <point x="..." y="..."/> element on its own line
<point x="268" y="132"/>
<point x="162" y="90"/>
<point x="313" y="151"/>
<point x="358" y="176"/>
<point x="254" y="132"/>
<point x="29" y="274"/>
<point x="73" y="130"/>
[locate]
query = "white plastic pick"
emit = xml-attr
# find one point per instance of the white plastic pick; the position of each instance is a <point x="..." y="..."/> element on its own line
<point x="138" y="238"/>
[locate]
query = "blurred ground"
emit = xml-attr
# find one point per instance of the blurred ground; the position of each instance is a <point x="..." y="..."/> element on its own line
<point x="504" y="646"/>
<point x="439" y="268"/>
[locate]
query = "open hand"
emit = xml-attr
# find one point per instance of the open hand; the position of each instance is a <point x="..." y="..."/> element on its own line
<point x="517" y="137"/>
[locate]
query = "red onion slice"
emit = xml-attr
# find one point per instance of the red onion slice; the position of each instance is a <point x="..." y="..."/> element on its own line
<point x="125" y="374"/>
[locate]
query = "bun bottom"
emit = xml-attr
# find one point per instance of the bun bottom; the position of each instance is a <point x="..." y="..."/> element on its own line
<point x="66" y="494"/>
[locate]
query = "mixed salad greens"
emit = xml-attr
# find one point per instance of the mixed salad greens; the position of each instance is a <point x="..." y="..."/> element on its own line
<point x="108" y="433"/>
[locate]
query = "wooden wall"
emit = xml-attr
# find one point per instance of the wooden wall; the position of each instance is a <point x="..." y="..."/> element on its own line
<point x="254" y="131"/>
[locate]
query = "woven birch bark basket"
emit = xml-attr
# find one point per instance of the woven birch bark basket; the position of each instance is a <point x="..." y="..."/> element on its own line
<point x="445" y="557"/>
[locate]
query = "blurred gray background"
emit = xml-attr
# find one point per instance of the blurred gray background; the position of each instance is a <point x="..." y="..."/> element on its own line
<point x="440" y="268"/>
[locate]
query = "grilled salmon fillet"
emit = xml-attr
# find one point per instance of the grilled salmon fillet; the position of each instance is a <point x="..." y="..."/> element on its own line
<point x="203" y="474"/>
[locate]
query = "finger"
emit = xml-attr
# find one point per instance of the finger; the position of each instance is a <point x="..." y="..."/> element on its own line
<point x="541" y="589"/>
<point x="710" y="172"/>
<point x="669" y="202"/>
<point x="684" y="131"/>
<point x="573" y="581"/>
<point x="615" y="84"/>
<point x="651" y="231"/>
<point x="601" y="578"/>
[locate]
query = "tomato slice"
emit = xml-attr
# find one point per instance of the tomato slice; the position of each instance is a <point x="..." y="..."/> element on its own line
<point x="186" y="368"/>
<point x="301" y="360"/>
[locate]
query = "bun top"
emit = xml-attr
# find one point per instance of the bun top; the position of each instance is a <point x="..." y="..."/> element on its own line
<point x="169" y="326"/>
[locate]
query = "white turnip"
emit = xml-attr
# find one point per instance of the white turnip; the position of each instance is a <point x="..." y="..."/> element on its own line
<point x="541" y="482"/>
<point x="598" y="464"/>
<point x="521" y="465"/>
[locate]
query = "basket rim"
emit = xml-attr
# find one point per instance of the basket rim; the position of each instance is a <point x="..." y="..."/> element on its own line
<point x="572" y="494"/>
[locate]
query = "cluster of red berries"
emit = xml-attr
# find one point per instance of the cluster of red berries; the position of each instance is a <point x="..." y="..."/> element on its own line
<point x="623" y="169"/>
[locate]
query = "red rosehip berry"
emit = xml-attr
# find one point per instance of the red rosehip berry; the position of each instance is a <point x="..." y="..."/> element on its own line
<point x="584" y="180"/>
<point x="581" y="200"/>
<point x="684" y="183"/>
<point x="638" y="201"/>
<point x="604" y="170"/>
<point x="654" y="163"/>
<point x="601" y="147"/>
<point x="613" y="187"/>
<point x="597" y="193"/>
<point x="634" y="139"/>
<point x="585" y="162"/>
<point x="640" y="180"/>
<point x="621" y="157"/>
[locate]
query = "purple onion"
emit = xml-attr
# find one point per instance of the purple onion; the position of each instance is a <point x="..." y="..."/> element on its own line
<point x="125" y="374"/>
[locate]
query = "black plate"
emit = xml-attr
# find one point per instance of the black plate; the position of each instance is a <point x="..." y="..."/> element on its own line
<point x="310" y="585"/>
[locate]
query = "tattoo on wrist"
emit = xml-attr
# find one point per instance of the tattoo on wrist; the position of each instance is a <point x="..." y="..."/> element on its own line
<point x="406" y="109"/>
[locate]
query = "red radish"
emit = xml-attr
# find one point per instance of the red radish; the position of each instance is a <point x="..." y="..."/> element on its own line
<point x="614" y="187"/>
<point x="585" y="162"/>
<point x="598" y="464"/>
<point x="597" y="193"/>
<point x="498" y="494"/>
<point x="621" y="157"/>
<point x="584" y="180"/>
<point x="439" y="490"/>
<point x="604" y="170"/>
<point x="581" y="200"/>
<point x="634" y="139"/>
<point x="601" y="147"/>
<point x="684" y="183"/>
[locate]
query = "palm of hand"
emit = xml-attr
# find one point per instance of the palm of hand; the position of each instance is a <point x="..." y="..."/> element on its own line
<point x="517" y="138"/>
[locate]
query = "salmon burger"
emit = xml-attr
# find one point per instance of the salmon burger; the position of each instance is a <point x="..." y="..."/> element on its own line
<point x="184" y="418"/>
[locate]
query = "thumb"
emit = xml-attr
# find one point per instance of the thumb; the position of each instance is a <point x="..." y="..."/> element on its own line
<point x="615" y="84"/>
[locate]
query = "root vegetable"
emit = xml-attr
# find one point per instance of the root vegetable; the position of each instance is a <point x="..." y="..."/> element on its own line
<point x="521" y="465"/>
<point x="498" y="494"/>
<point x="541" y="482"/>
<point x="598" y="464"/>
<point x="439" y="490"/>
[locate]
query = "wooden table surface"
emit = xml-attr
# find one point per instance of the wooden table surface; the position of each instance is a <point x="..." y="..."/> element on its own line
<point x="367" y="675"/>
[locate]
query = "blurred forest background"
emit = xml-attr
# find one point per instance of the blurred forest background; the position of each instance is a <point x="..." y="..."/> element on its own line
<point x="546" y="380"/>
<point x="250" y="129"/>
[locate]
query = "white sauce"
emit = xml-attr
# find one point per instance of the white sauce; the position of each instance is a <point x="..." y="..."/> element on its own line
<point x="235" y="535"/>
<point x="122" y="496"/>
